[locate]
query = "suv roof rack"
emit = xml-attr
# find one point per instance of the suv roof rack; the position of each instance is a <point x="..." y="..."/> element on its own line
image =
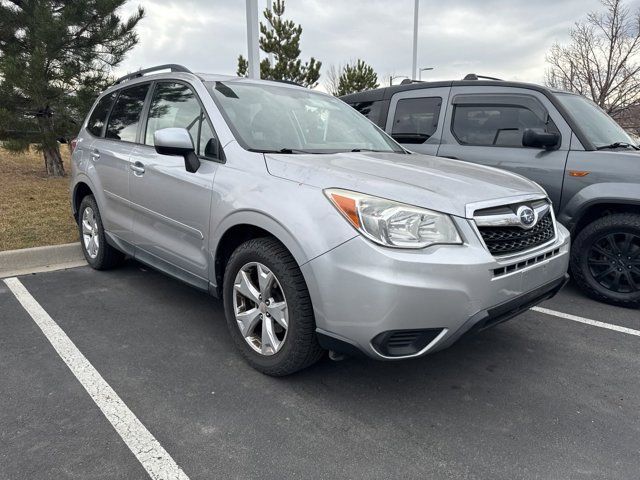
<point x="408" y="81"/>
<point x="473" y="76"/>
<point x="169" y="66"/>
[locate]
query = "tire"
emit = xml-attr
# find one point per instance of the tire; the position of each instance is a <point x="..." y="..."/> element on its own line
<point x="601" y="253"/>
<point x="100" y="256"/>
<point x="298" y="347"/>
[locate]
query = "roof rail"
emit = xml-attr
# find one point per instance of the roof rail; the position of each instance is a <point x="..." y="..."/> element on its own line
<point x="408" y="81"/>
<point x="169" y="66"/>
<point x="473" y="76"/>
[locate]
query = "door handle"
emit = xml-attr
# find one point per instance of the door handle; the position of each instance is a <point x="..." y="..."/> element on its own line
<point x="138" y="168"/>
<point x="95" y="155"/>
<point x="451" y="157"/>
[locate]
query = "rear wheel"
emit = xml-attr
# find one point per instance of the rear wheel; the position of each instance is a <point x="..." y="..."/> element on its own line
<point x="98" y="253"/>
<point x="268" y="308"/>
<point x="605" y="259"/>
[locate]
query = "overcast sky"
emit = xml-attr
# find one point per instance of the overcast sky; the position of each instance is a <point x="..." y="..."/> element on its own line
<point x="503" y="38"/>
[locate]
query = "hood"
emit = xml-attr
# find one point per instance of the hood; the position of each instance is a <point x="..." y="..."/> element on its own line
<point x="436" y="183"/>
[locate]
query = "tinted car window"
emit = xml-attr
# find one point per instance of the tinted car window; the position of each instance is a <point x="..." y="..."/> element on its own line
<point x="371" y="110"/>
<point x="125" y="116"/>
<point x="416" y="119"/>
<point x="174" y="105"/>
<point x="98" y="117"/>
<point x="496" y="125"/>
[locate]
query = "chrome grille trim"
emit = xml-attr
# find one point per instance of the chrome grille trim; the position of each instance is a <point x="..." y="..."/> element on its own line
<point x="503" y="218"/>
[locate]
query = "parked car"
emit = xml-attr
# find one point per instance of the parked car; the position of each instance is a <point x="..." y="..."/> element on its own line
<point x="316" y="229"/>
<point x="585" y="161"/>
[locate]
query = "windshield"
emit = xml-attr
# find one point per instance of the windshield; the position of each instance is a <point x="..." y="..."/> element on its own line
<point x="599" y="128"/>
<point x="272" y="118"/>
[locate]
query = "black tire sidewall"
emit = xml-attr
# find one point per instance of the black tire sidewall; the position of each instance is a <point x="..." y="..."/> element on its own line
<point x="99" y="261"/>
<point x="622" y="223"/>
<point x="280" y="363"/>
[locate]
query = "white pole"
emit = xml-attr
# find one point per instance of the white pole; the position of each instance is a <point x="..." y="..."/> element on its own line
<point x="252" y="39"/>
<point x="270" y="7"/>
<point x="415" y="40"/>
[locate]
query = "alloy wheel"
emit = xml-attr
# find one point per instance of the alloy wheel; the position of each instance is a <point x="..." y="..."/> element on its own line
<point x="260" y="308"/>
<point x="90" y="236"/>
<point x="614" y="262"/>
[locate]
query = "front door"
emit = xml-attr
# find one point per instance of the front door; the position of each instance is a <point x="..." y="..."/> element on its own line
<point x="172" y="206"/>
<point x="485" y="126"/>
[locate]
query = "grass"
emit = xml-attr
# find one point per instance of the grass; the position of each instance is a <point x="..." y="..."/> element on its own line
<point x="34" y="209"/>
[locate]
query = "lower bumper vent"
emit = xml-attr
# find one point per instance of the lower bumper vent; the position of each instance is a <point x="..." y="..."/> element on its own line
<point x="400" y="343"/>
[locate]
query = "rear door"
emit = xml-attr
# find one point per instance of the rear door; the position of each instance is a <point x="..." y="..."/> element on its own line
<point x="485" y="126"/>
<point x="110" y="154"/>
<point x="416" y="118"/>
<point x="173" y="206"/>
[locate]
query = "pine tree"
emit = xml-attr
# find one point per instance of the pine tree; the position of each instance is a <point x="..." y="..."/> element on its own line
<point x="55" y="57"/>
<point x="282" y="40"/>
<point x="356" y="78"/>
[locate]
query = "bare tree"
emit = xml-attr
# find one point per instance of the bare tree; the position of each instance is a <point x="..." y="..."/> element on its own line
<point x="601" y="59"/>
<point x="332" y="80"/>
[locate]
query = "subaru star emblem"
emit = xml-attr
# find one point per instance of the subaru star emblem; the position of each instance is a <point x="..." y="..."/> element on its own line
<point x="527" y="216"/>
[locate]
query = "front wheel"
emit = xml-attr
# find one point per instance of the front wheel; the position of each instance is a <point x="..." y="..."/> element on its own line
<point x="268" y="308"/>
<point x="605" y="259"/>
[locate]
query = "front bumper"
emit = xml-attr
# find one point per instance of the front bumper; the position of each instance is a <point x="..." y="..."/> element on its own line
<point x="361" y="291"/>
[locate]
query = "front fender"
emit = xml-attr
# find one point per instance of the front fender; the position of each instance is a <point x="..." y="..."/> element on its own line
<point x="598" y="193"/>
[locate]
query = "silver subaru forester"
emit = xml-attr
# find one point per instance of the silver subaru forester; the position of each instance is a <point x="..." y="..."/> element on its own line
<point x="317" y="230"/>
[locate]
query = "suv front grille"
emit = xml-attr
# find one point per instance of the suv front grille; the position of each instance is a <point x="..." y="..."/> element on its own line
<point x="506" y="240"/>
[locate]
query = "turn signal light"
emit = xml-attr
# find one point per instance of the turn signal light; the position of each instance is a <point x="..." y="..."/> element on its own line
<point x="348" y="208"/>
<point x="578" y="173"/>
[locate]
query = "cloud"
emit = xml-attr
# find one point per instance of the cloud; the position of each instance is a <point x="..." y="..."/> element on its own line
<point x="504" y="38"/>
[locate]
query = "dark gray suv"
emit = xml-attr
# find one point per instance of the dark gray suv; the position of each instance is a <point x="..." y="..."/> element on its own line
<point x="586" y="162"/>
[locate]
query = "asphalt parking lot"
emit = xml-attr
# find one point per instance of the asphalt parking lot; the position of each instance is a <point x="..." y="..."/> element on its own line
<point x="537" y="397"/>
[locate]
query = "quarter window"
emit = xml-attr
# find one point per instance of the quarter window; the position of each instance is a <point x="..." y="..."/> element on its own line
<point x="416" y="119"/>
<point x="371" y="110"/>
<point x="98" y="117"/>
<point x="176" y="105"/>
<point x="497" y="125"/>
<point x="124" y="119"/>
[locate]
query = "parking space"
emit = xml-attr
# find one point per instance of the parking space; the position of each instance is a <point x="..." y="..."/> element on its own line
<point x="537" y="397"/>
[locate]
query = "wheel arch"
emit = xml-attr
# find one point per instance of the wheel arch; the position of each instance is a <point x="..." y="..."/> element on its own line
<point x="242" y="227"/>
<point x="598" y="200"/>
<point x="80" y="190"/>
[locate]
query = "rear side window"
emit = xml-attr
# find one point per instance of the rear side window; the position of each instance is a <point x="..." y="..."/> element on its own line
<point x="371" y="110"/>
<point x="176" y="105"/>
<point x="125" y="116"/>
<point x="98" y="117"/>
<point x="497" y="125"/>
<point x="416" y="119"/>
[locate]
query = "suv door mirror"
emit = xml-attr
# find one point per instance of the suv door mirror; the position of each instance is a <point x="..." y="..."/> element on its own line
<point x="538" y="139"/>
<point x="177" y="141"/>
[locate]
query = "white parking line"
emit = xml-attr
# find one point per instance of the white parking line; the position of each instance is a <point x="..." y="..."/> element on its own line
<point x="587" y="321"/>
<point x="155" y="459"/>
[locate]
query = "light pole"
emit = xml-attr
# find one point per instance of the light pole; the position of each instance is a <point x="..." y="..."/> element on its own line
<point x="253" y="56"/>
<point x="270" y="56"/>
<point x="393" y="77"/>
<point x="423" y="69"/>
<point x="415" y="40"/>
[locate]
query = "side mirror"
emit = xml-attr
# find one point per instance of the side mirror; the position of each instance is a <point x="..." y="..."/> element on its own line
<point x="177" y="141"/>
<point x="537" y="139"/>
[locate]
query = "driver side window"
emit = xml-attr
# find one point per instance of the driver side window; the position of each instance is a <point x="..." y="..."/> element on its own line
<point x="497" y="124"/>
<point x="176" y="105"/>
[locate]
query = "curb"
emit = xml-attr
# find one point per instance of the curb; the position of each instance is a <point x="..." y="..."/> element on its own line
<point x="40" y="259"/>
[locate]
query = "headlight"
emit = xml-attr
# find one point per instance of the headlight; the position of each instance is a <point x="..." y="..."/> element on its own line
<point x="394" y="224"/>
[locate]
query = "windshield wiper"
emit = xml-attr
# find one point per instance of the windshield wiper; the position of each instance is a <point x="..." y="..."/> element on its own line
<point x="618" y="145"/>
<point x="282" y="150"/>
